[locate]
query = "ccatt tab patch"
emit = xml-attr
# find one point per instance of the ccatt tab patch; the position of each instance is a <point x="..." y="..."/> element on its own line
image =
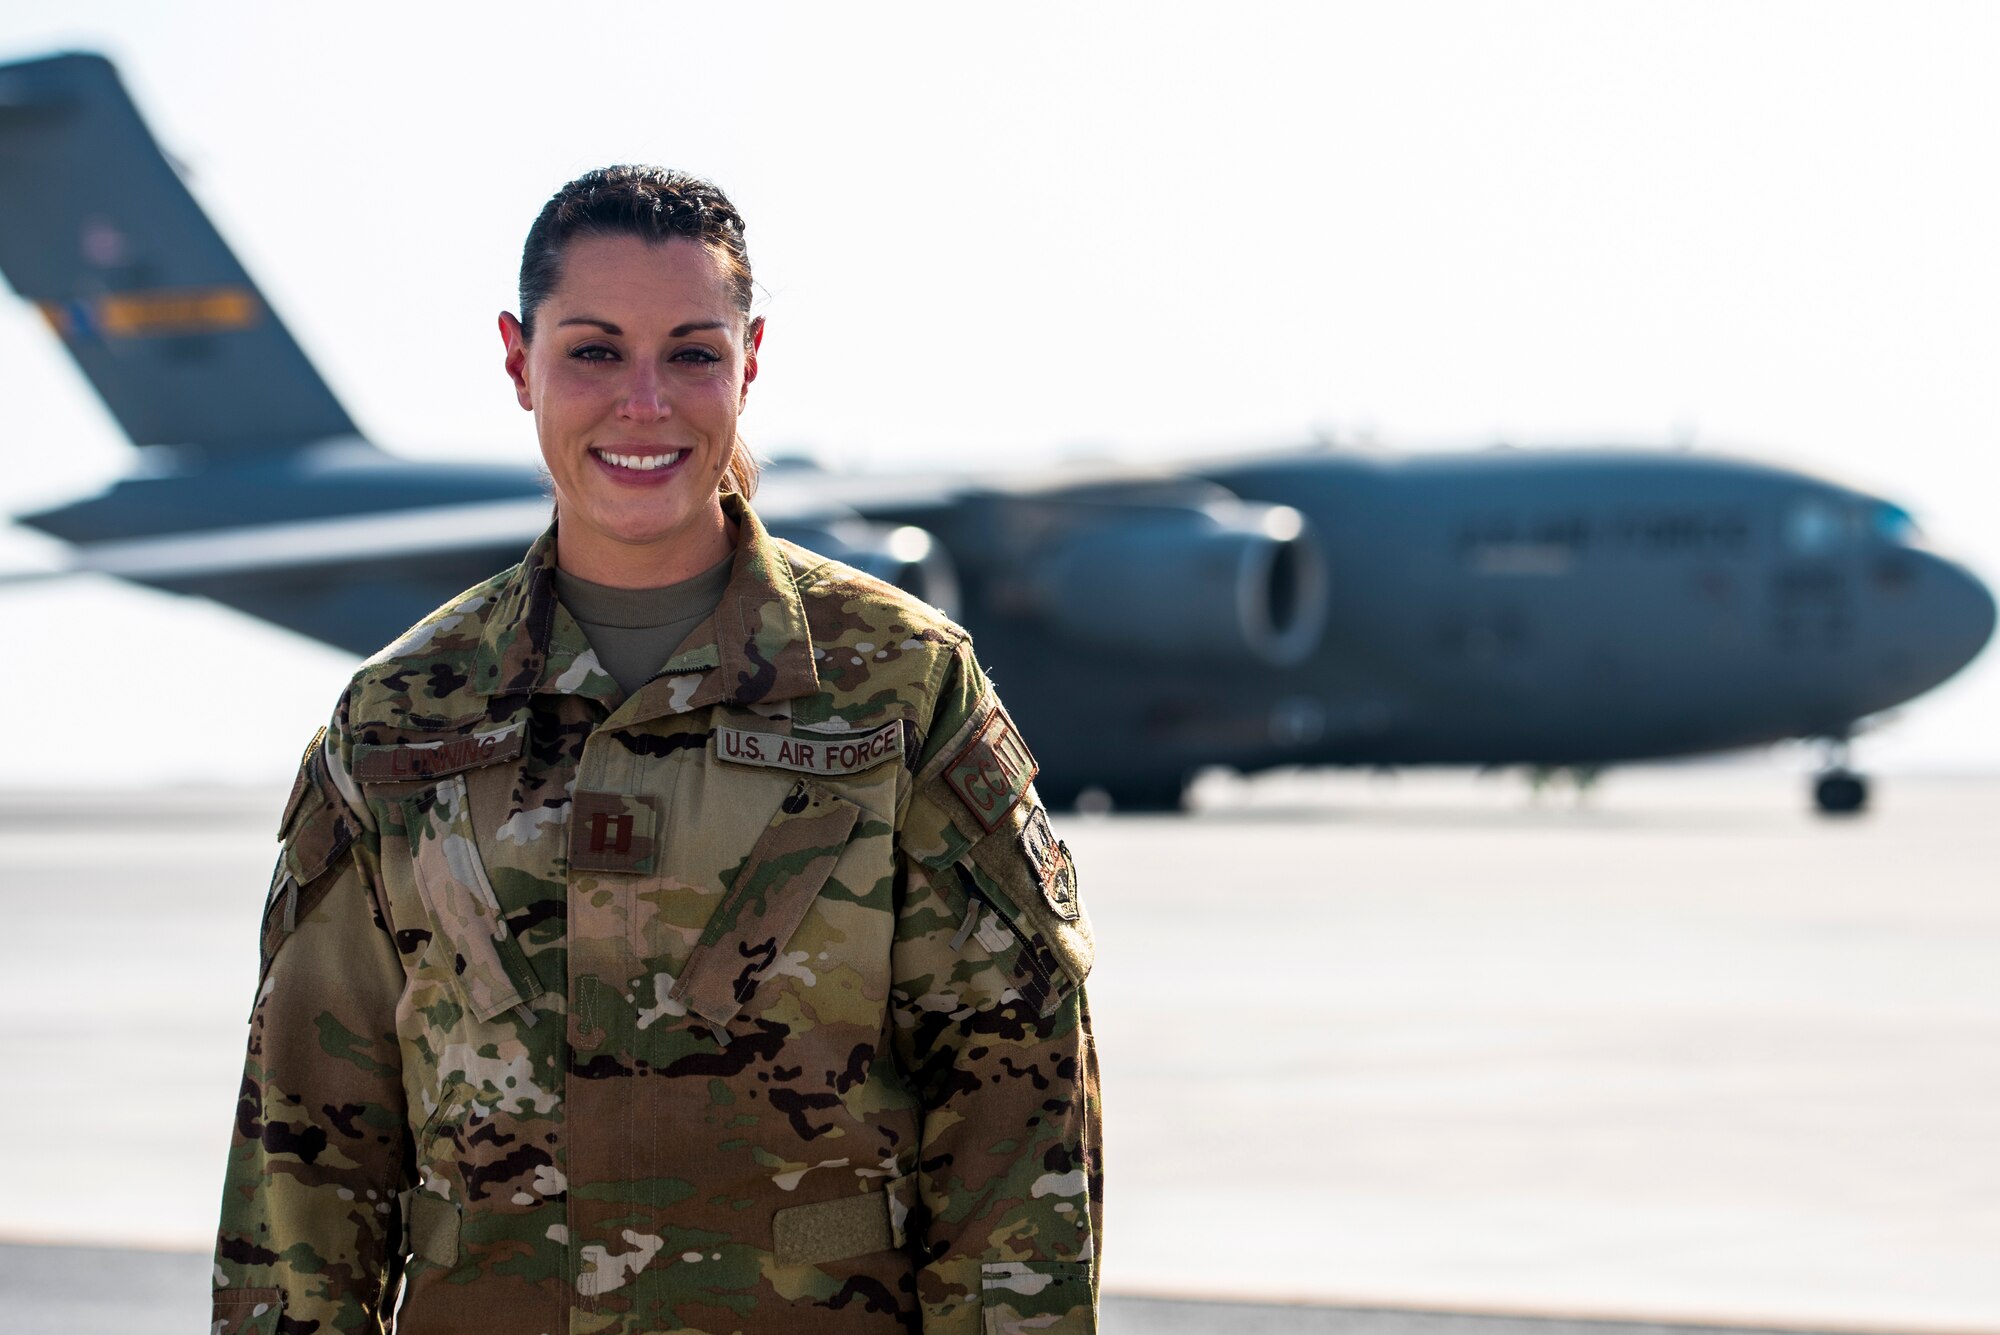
<point x="992" y="772"/>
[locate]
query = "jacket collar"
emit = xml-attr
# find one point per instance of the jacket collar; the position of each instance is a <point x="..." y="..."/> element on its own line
<point x="756" y="646"/>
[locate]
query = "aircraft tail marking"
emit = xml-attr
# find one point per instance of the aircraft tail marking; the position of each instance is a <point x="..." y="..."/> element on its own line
<point x="97" y="229"/>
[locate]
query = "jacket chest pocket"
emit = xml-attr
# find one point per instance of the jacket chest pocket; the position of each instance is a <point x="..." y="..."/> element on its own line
<point x="490" y="971"/>
<point x="766" y="897"/>
<point x="443" y="800"/>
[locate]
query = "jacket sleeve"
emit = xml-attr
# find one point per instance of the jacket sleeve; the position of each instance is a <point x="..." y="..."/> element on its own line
<point x="310" y="1230"/>
<point x="993" y="1034"/>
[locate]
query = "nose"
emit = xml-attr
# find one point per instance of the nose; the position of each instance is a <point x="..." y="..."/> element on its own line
<point x="1947" y="619"/>
<point x="645" y="395"/>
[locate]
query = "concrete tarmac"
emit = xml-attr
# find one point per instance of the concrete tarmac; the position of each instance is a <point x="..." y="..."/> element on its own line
<point x="112" y="1291"/>
<point x="1686" y="1055"/>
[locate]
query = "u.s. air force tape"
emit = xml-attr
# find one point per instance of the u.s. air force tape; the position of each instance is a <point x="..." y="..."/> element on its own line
<point x="810" y="755"/>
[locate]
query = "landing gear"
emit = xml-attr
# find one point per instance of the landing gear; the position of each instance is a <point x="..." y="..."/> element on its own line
<point x="1838" y="790"/>
<point x="1582" y="779"/>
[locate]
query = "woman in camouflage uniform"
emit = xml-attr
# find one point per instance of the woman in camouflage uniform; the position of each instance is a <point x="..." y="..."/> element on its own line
<point x="730" y="981"/>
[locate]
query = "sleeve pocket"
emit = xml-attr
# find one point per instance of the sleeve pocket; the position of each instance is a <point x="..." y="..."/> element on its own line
<point x="492" y="971"/>
<point x="246" y="1311"/>
<point x="1048" y="1297"/>
<point x="316" y="832"/>
<point x="1025" y="875"/>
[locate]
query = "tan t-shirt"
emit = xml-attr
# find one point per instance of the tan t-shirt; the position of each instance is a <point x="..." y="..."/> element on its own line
<point x="635" y="631"/>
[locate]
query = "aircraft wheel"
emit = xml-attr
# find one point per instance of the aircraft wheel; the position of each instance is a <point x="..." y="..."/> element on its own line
<point x="1840" y="793"/>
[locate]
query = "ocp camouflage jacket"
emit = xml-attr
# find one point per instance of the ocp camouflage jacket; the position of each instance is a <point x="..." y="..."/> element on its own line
<point x="750" y="1003"/>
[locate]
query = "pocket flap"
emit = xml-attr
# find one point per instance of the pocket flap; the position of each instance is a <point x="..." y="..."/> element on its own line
<point x="302" y="781"/>
<point x="317" y="829"/>
<point x="1028" y="877"/>
<point x="834" y="1230"/>
<point x="246" y="1311"/>
<point x="766" y="899"/>
<point x="319" y="832"/>
<point x="493" y="974"/>
<point x="1036" y="1295"/>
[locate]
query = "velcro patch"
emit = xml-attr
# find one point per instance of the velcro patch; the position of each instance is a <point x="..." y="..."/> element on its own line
<point x="613" y="832"/>
<point x="992" y="772"/>
<point x="432" y="760"/>
<point x="829" y="754"/>
<point x="1050" y="858"/>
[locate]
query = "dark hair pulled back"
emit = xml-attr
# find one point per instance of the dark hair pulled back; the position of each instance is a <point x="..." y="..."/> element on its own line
<point x="655" y="204"/>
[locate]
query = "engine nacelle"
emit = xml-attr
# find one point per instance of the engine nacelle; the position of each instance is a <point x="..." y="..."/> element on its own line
<point x="1223" y="579"/>
<point x="903" y="555"/>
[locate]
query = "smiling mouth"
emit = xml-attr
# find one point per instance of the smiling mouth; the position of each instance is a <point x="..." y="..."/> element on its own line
<point x="640" y="463"/>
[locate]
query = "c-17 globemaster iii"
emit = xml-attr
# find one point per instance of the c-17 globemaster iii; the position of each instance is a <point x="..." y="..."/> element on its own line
<point x="1572" y="609"/>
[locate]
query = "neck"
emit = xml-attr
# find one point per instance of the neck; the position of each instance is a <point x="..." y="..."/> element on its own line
<point x="604" y="559"/>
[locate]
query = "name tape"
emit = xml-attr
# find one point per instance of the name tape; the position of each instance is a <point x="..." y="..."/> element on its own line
<point x="810" y="755"/>
<point x="433" y="760"/>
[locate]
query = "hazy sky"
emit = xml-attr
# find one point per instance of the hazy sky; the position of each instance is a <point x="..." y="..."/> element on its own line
<point x="1015" y="233"/>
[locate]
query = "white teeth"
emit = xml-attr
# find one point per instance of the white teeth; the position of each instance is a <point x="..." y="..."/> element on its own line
<point x="645" y="463"/>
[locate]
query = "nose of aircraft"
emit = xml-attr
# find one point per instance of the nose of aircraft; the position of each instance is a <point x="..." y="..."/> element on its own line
<point x="1949" y="617"/>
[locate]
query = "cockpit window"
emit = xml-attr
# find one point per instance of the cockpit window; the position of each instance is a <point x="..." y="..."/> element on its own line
<point x="1893" y="524"/>
<point x="1815" y="525"/>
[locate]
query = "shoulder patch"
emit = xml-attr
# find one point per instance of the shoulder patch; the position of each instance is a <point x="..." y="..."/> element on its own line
<point x="1026" y="875"/>
<point x="992" y="771"/>
<point x="1050" y="858"/>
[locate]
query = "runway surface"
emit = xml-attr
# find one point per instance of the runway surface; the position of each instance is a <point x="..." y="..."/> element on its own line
<point x="99" y="1291"/>
<point x="1686" y="1055"/>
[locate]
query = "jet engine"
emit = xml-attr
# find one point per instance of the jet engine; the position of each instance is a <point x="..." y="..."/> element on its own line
<point x="901" y="554"/>
<point x="1222" y="579"/>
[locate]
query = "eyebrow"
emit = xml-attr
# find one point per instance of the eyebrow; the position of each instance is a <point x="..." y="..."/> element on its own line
<point x="678" y="331"/>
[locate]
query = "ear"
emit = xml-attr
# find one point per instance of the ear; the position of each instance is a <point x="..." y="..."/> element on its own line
<point x="515" y="339"/>
<point x="750" y="358"/>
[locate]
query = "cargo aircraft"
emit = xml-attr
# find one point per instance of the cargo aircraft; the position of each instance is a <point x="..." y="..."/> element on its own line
<point x="1502" y="608"/>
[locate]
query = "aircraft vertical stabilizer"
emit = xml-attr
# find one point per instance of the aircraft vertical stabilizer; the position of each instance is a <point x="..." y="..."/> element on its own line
<point x="97" y="229"/>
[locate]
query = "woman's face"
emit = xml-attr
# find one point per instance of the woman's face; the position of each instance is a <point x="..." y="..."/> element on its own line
<point x="639" y="366"/>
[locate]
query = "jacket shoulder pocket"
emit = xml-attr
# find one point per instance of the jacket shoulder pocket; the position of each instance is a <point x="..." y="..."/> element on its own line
<point x="976" y="818"/>
<point x="316" y="830"/>
<point x="491" y="971"/>
<point x="1025" y="874"/>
